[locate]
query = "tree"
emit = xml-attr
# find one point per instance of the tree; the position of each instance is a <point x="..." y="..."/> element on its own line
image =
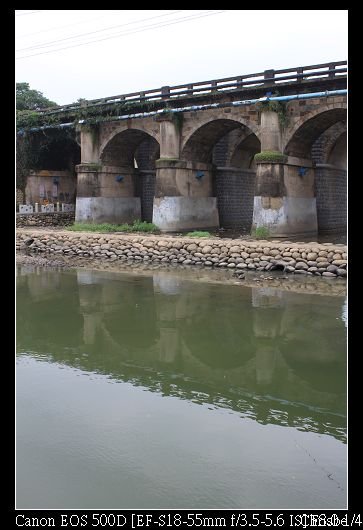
<point x="27" y="102"/>
<point x="27" y="99"/>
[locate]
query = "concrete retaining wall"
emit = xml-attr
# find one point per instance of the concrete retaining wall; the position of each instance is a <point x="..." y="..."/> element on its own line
<point x="45" y="219"/>
<point x="300" y="258"/>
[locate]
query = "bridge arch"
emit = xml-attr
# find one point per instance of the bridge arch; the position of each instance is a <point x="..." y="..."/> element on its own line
<point x="108" y="131"/>
<point x="52" y="175"/>
<point x="243" y="151"/>
<point x="119" y="147"/>
<point x="307" y="130"/>
<point x="137" y="149"/>
<point x="230" y="145"/>
<point x="320" y="136"/>
<point x="198" y="143"/>
<point x="336" y="153"/>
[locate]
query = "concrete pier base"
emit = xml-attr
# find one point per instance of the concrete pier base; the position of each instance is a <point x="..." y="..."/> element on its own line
<point x="174" y="214"/>
<point x="115" y="210"/>
<point x="286" y="216"/>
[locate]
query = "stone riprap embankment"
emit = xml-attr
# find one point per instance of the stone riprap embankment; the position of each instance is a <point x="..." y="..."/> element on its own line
<point x="45" y="219"/>
<point x="325" y="259"/>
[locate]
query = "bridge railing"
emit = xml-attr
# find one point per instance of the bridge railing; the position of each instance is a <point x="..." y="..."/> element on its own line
<point x="268" y="78"/>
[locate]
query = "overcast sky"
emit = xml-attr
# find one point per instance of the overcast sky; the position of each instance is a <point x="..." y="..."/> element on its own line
<point x="72" y="54"/>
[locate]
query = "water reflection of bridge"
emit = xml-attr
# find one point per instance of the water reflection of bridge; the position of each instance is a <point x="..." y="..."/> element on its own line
<point x="259" y="352"/>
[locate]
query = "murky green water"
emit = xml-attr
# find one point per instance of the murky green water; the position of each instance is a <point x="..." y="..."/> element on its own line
<point x="160" y="392"/>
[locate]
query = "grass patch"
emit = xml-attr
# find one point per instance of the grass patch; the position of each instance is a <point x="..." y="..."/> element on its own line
<point x="261" y="232"/>
<point x="137" y="226"/>
<point x="198" y="233"/>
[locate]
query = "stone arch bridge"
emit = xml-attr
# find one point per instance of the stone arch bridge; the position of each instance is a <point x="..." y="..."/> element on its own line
<point x="265" y="149"/>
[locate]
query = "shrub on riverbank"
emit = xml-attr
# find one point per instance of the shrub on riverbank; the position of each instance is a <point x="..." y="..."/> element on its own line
<point x="137" y="226"/>
<point x="261" y="232"/>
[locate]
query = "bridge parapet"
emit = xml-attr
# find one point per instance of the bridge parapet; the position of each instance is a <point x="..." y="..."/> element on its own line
<point x="286" y="81"/>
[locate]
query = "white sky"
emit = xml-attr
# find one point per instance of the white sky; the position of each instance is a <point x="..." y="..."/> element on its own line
<point x="212" y="46"/>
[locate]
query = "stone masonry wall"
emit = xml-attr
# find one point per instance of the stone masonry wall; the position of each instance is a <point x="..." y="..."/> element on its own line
<point x="145" y="189"/>
<point x="235" y="192"/>
<point x="300" y="258"/>
<point x="19" y="196"/>
<point x="331" y="199"/>
<point x="45" y="219"/>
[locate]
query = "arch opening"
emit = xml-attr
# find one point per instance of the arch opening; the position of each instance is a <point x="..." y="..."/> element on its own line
<point x="52" y="176"/>
<point x="302" y="140"/>
<point x="230" y="146"/>
<point x="135" y="152"/>
<point x="323" y="140"/>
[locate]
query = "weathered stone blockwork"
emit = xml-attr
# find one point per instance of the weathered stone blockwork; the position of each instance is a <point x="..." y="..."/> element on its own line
<point x="331" y="199"/>
<point x="145" y="189"/>
<point x="45" y="219"/>
<point x="235" y="191"/>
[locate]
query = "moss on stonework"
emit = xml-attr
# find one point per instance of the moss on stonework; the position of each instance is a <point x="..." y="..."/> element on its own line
<point x="279" y="107"/>
<point x="92" y="165"/>
<point x="272" y="157"/>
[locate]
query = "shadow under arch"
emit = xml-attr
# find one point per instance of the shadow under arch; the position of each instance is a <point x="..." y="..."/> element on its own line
<point x="321" y="138"/>
<point x="53" y="175"/>
<point x="199" y="145"/>
<point x="230" y="146"/>
<point x="309" y="128"/>
<point x="337" y="154"/>
<point x="121" y="148"/>
<point x="137" y="150"/>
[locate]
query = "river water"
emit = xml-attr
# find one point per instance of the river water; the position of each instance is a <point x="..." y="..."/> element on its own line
<point x="159" y="391"/>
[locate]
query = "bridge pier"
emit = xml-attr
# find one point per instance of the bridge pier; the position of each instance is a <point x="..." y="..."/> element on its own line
<point x="183" y="196"/>
<point x="105" y="194"/>
<point x="284" y="201"/>
<point x="183" y="190"/>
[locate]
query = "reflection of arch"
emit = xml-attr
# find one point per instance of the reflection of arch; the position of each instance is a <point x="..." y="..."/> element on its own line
<point x="199" y="144"/>
<point x="139" y="362"/>
<point x="306" y="131"/>
<point x="215" y="345"/>
<point x="326" y="376"/>
<point x="325" y="343"/>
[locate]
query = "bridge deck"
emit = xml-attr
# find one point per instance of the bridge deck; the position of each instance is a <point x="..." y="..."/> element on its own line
<point x="301" y="79"/>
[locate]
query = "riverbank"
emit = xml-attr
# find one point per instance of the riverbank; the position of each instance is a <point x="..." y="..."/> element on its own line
<point x="274" y="280"/>
<point x="67" y="250"/>
<point x="310" y="259"/>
